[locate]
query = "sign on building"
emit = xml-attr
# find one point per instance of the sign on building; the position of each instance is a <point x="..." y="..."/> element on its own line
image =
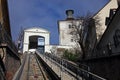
<point x="41" y="41"/>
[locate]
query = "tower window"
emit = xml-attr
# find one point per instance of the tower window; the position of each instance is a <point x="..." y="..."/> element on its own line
<point x="70" y="26"/>
<point x="72" y="40"/>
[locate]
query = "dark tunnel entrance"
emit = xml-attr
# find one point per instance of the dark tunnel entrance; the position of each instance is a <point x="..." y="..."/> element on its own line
<point x="37" y="42"/>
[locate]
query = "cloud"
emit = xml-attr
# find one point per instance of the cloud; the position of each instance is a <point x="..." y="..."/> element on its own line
<point x="46" y="13"/>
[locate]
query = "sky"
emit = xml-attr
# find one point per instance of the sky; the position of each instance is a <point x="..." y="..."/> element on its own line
<point x="46" y="13"/>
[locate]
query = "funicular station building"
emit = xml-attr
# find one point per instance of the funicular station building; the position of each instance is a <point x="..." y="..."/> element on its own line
<point x="36" y="38"/>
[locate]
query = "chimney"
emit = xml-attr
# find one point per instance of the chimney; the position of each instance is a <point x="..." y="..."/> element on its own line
<point x="69" y="14"/>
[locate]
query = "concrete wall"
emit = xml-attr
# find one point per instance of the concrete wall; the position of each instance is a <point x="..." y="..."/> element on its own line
<point x="50" y="47"/>
<point x="64" y="32"/>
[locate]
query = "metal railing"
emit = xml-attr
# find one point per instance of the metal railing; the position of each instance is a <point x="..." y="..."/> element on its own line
<point x="80" y="72"/>
<point x="52" y="74"/>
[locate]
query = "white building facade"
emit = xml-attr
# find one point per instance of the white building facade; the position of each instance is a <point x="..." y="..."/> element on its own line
<point x="102" y="15"/>
<point x="65" y="28"/>
<point x="36" y="38"/>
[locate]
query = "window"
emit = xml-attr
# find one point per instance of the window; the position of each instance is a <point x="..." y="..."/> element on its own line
<point x="70" y="26"/>
<point x="72" y="40"/>
<point x="41" y="41"/>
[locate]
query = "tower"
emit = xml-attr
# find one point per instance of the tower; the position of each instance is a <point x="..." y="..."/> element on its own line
<point x="65" y="27"/>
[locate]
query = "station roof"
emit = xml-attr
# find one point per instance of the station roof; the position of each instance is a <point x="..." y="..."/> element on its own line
<point x="36" y="29"/>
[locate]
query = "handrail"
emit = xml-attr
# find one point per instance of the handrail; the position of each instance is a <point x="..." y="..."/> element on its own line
<point x="19" y="72"/>
<point x="88" y="75"/>
<point x="51" y="73"/>
<point x="78" y="71"/>
<point x="83" y="66"/>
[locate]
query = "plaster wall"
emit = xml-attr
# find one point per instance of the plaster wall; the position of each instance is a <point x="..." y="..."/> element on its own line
<point x="35" y="32"/>
<point x="102" y="14"/>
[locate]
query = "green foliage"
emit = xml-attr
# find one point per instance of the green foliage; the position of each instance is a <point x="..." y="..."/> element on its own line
<point x="70" y="56"/>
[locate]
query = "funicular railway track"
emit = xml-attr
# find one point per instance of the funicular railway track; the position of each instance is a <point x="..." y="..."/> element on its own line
<point x="31" y="69"/>
<point x="35" y="70"/>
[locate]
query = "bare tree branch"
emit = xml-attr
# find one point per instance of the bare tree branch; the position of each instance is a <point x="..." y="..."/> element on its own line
<point x="80" y="30"/>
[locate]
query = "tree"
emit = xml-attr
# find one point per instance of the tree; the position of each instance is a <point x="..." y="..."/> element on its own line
<point x="53" y="50"/>
<point x="98" y="27"/>
<point x="69" y="55"/>
<point x="19" y="41"/>
<point x="81" y="29"/>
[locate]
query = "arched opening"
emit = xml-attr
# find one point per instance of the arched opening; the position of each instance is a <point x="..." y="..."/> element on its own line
<point x="37" y="42"/>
